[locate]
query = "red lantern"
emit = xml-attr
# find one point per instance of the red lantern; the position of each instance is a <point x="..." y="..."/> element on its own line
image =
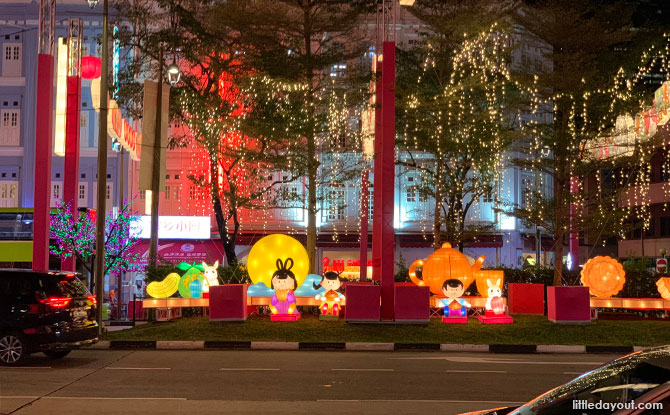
<point x="91" y="67"/>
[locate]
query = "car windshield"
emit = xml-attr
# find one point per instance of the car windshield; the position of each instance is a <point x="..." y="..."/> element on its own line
<point x="620" y="381"/>
<point x="61" y="286"/>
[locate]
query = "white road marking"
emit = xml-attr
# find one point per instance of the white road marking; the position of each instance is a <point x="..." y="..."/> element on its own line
<point x="26" y="367"/>
<point x="138" y="368"/>
<point x="364" y="370"/>
<point x="476" y="371"/>
<point x="573" y="373"/>
<point x="420" y="401"/>
<point x="488" y="360"/>
<point x="18" y="397"/>
<point x="100" y="398"/>
<point x="251" y="369"/>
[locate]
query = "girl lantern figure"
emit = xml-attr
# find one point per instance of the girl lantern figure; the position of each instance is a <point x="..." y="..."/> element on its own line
<point x="455" y="308"/>
<point x="283" y="304"/>
<point x="330" y="299"/>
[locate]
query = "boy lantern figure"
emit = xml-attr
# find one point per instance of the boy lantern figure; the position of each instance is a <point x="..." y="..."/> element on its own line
<point x="283" y="282"/>
<point x="454" y="306"/>
<point x="330" y="299"/>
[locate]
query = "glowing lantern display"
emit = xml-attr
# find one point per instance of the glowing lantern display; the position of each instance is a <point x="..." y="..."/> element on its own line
<point x="193" y="273"/>
<point x="332" y="297"/>
<point x="262" y="260"/>
<point x="165" y="288"/>
<point x="663" y="285"/>
<point x="91" y="67"/>
<point x="211" y="276"/>
<point x="444" y="264"/>
<point x="604" y="276"/>
<point x="482" y="276"/>
<point x="497" y="305"/>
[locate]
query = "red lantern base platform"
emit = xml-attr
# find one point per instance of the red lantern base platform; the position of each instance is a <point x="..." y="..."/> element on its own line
<point x="228" y="302"/>
<point x="490" y="318"/>
<point x="285" y="317"/>
<point x="459" y="320"/>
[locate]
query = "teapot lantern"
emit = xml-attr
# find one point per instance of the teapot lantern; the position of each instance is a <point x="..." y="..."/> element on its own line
<point x="443" y="264"/>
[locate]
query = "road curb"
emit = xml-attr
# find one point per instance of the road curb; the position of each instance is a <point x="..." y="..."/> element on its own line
<point x="359" y="346"/>
<point x="369" y="347"/>
<point x="132" y="344"/>
<point x="560" y="348"/>
<point x="274" y="346"/>
<point x="447" y="347"/>
<point x="513" y="348"/>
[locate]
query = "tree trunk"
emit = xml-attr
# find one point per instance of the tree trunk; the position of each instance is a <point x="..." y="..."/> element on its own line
<point x="437" y="220"/>
<point x="221" y="223"/>
<point x="312" y="163"/>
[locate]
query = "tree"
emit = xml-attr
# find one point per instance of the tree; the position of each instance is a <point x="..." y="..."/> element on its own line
<point x="457" y="105"/>
<point x="582" y="91"/>
<point x="74" y="236"/>
<point x="221" y="100"/>
<point x="301" y="41"/>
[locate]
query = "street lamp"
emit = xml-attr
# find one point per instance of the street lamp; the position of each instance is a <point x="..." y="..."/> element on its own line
<point x="173" y="73"/>
<point x="102" y="171"/>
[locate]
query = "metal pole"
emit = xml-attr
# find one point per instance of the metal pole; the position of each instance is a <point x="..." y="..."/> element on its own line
<point x="155" y="173"/>
<point x="537" y="229"/>
<point x="102" y="179"/>
<point x="119" y="278"/>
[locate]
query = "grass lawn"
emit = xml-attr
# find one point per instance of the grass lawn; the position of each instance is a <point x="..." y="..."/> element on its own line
<point x="525" y="330"/>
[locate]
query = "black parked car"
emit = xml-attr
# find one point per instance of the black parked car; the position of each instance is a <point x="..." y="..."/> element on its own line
<point x="49" y="312"/>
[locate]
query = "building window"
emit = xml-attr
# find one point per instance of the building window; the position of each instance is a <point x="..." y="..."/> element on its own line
<point x="143" y="194"/>
<point x="334" y="204"/>
<point x="108" y="192"/>
<point x="167" y="192"/>
<point x="83" y="194"/>
<point x="338" y="70"/>
<point x="11" y="59"/>
<point x="665" y="226"/>
<point x="488" y="196"/>
<point x="56" y="193"/>
<point x="192" y="193"/>
<point x="176" y="192"/>
<point x="9" y="127"/>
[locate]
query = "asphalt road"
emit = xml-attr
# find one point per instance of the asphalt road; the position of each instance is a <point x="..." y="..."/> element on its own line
<point x="281" y="382"/>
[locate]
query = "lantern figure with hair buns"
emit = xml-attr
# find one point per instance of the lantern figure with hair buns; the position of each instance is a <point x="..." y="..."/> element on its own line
<point x="604" y="276"/>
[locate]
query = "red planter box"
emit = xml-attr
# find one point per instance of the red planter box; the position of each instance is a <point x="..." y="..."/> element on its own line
<point x="228" y="302"/>
<point x="363" y="303"/>
<point x="525" y="298"/>
<point x="569" y="304"/>
<point x="412" y="304"/>
<point x="137" y="309"/>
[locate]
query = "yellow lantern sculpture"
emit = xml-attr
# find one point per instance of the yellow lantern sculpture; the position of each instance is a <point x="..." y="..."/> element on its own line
<point x="262" y="260"/>
<point x="604" y="276"/>
<point x="663" y="285"/>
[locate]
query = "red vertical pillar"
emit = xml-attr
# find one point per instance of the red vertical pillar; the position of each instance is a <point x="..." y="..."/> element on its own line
<point x="377" y="172"/>
<point x="71" y="179"/>
<point x="43" y="150"/>
<point x="365" y="194"/>
<point x="387" y="180"/>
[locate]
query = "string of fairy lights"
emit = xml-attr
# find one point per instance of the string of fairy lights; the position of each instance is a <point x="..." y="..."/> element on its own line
<point x="474" y="104"/>
<point x="480" y="57"/>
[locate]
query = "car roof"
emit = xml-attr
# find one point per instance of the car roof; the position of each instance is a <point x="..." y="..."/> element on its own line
<point x="23" y="272"/>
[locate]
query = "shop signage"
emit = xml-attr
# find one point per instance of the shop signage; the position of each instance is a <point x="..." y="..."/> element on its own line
<point x="173" y="227"/>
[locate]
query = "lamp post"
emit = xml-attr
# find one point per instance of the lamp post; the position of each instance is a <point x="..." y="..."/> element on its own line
<point x="155" y="173"/>
<point x="102" y="172"/>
